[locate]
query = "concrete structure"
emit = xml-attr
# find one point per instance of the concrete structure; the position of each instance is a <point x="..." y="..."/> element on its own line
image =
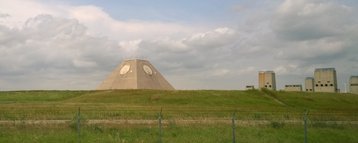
<point x="250" y="87"/>
<point x="135" y="74"/>
<point x="353" y="84"/>
<point x="325" y="80"/>
<point x="293" y="87"/>
<point x="267" y="80"/>
<point x="309" y="84"/>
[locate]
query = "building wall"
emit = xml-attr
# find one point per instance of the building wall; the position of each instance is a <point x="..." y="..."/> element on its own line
<point x="325" y="80"/>
<point x="135" y="74"/>
<point x="353" y="84"/>
<point x="295" y="87"/>
<point x="250" y="87"/>
<point x="261" y="79"/>
<point x="309" y="84"/>
<point x="267" y="80"/>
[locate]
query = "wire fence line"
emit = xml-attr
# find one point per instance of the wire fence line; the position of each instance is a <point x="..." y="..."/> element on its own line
<point x="79" y="120"/>
<point x="29" y="114"/>
<point x="242" y="118"/>
<point x="170" y="121"/>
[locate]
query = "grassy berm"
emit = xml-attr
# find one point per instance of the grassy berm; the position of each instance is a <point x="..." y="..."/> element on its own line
<point x="189" y="116"/>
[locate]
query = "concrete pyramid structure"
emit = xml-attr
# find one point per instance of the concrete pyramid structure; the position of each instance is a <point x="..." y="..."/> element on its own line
<point x="135" y="74"/>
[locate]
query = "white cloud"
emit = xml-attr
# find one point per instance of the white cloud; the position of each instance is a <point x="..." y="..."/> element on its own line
<point x="18" y="11"/>
<point x="102" y="24"/>
<point x="130" y="48"/>
<point x="84" y="64"/>
<point x="311" y="19"/>
<point x="47" y="45"/>
<point x="98" y="22"/>
<point x="212" y="39"/>
<point x="74" y="47"/>
<point x="315" y="32"/>
<point x="286" y="69"/>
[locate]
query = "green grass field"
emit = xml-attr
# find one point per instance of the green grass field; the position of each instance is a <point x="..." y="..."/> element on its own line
<point x="282" y="113"/>
<point x="179" y="134"/>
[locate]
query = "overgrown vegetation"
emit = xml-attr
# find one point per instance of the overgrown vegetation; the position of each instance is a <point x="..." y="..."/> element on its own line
<point x="219" y="133"/>
<point x="281" y="111"/>
<point x="200" y="104"/>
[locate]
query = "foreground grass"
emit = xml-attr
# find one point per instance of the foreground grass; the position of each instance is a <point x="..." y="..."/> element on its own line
<point x="199" y="104"/>
<point x="178" y="134"/>
<point x="37" y="96"/>
<point x="176" y="105"/>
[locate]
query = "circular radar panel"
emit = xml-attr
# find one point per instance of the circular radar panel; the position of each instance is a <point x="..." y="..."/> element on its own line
<point x="147" y="70"/>
<point x="124" y="69"/>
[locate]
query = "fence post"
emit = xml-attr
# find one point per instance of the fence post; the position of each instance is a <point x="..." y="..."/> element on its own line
<point x="305" y="124"/>
<point x="233" y="128"/>
<point x="79" y="124"/>
<point x="160" y="125"/>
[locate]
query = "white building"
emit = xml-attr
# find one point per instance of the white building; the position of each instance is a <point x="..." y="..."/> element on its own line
<point x="309" y="84"/>
<point x="267" y="80"/>
<point x="325" y="80"/>
<point x="353" y="84"/>
<point x="293" y="87"/>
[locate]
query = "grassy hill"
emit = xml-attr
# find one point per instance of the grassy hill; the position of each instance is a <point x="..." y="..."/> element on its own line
<point x="275" y="109"/>
<point x="144" y="104"/>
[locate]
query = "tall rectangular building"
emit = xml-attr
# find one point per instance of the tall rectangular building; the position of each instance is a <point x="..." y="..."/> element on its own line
<point x="353" y="84"/>
<point x="309" y="84"/>
<point x="267" y="80"/>
<point x="325" y="80"/>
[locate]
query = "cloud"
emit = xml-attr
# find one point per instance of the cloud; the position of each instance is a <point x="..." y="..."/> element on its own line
<point x="98" y="22"/>
<point x="48" y="45"/>
<point x="4" y="15"/>
<point x="192" y="51"/>
<point x="18" y="11"/>
<point x="212" y="39"/>
<point x="75" y="47"/>
<point x="311" y="19"/>
<point x="314" y="32"/>
<point x="101" y="23"/>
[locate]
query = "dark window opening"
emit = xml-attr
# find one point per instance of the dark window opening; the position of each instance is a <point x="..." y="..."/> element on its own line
<point x="326" y="85"/>
<point x="331" y="84"/>
<point x="265" y="85"/>
<point x="316" y="84"/>
<point x="321" y="84"/>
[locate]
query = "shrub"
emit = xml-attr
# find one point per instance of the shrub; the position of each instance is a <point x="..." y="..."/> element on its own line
<point x="277" y="125"/>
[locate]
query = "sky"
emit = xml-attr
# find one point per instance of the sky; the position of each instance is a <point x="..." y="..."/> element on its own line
<point x="211" y="44"/>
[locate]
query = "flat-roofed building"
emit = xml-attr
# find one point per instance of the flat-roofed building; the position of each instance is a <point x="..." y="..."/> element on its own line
<point x="267" y="80"/>
<point x="353" y="84"/>
<point x="250" y="87"/>
<point x="309" y="84"/>
<point x="325" y="80"/>
<point x="293" y="87"/>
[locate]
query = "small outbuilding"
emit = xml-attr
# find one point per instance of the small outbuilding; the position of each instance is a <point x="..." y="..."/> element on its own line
<point x="293" y="87"/>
